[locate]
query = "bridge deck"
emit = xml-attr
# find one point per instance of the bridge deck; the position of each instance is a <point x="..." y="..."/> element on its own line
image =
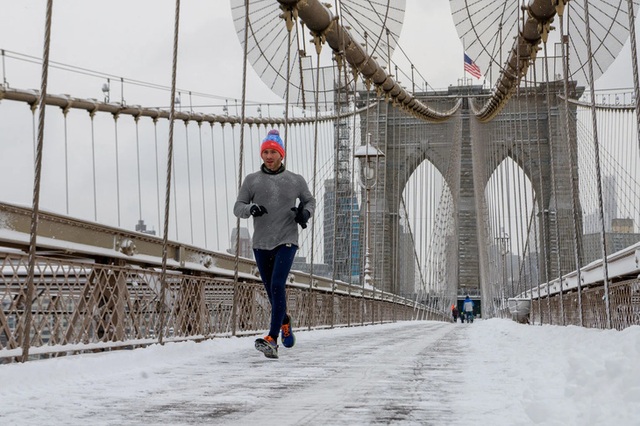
<point x="412" y="373"/>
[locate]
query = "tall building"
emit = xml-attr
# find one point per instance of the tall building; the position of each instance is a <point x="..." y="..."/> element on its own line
<point x="245" y="242"/>
<point x="620" y="237"/>
<point x="342" y="228"/>
<point x="609" y="208"/>
<point x="341" y="212"/>
<point x="142" y="227"/>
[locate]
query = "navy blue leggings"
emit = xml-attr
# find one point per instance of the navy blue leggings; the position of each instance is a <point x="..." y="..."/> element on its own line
<point x="274" y="266"/>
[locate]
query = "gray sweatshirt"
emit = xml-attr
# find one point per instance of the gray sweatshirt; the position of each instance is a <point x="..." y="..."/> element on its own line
<point x="278" y="193"/>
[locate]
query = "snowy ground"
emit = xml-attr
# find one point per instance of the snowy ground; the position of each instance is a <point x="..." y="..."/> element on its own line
<point x="493" y="372"/>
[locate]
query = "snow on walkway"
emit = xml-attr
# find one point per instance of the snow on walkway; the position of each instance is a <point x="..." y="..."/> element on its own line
<point x="492" y="372"/>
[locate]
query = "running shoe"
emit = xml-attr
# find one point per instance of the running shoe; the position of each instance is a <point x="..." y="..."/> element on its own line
<point x="267" y="346"/>
<point x="286" y="333"/>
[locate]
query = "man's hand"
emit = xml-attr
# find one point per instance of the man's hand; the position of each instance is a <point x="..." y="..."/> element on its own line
<point x="257" y="211"/>
<point x="302" y="215"/>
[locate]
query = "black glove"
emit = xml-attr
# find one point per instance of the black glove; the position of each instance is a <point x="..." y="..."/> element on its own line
<point x="302" y="215"/>
<point x="257" y="211"/>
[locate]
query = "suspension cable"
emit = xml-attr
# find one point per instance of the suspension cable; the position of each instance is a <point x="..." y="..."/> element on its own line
<point x="596" y="144"/>
<point x="542" y="200"/>
<point x="215" y="187"/>
<point x="117" y="157"/>
<point x="236" y="290"/>
<point x="26" y="329"/>
<point x="93" y="164"/>
<point x="202" y="186"/>
<point x="186" y="144"/>
<point x="65" y="111"/>
<point x="167" y="201"/>
<point x="337" y="184"/>
<point x="315" y="167"/>
<point x="137" y="123"/>
<point x="155" y="140"/>
<point x="554" y="189"/>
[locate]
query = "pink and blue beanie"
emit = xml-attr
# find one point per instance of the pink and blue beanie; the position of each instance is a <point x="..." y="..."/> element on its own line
<point x="273" y="141"/>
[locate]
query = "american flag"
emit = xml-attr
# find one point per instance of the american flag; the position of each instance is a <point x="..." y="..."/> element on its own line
<point x="471" y="67"/>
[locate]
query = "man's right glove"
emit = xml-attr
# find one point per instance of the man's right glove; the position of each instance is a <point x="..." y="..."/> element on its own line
<point x="302" y="215"/>
<point x="257" y="211"/>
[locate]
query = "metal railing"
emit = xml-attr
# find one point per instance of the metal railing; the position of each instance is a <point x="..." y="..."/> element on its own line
<point x="107" y="295"/>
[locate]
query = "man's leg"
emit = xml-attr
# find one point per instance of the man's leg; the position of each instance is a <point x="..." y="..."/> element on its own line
<point x="265" y="261"/>
<point x="283" y="260"/>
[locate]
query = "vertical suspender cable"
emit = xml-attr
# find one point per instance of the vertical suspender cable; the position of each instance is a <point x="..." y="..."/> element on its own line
<point x="543" y="213"/>
<point x="26" y="340"/>
<point x="535" y="197"/>
<point x="572" y="162"/>
<point x="115" y="123"/>
<point x="236" y="293"/>
<point x="226" y="186"/>
<point x="175" y="196"/>
<point x="315" y="170"/>
<point x="155" y="144"/>
<point x="353" y="199"/>
<point x="596" y="145"/>
<point x="544" y="243"/>
<point x="215" y="191"/>
<point x="66" y="160"/>
<point x="167" y="206"/>
<point x="137" y="121"/>
<point x="202" y="185"/>
<point x="377" y="271"/>
<point x="554" y="189"/>
<point x="4" y="71"/>
<point x="92" y="114"/>
<point x="186" y="144"/>
<point x="337" y="184"/>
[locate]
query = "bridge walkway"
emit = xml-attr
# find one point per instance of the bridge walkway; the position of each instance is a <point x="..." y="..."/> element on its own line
<point x="398" y="373"/>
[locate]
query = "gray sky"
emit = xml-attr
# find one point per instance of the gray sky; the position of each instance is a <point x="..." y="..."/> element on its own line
<point x="133" y="39"/>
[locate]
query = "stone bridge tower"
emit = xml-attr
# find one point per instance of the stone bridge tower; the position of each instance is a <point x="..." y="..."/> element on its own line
<point x="454" y="147"/>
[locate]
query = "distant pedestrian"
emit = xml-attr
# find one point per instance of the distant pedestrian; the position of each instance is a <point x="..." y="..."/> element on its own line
<point x="467" y="309"/>
<point x="270" y="196"/>
<point x="454" y="312"/>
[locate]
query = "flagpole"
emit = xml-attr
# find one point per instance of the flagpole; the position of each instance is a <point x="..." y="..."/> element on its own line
<point x="464" y="52"/>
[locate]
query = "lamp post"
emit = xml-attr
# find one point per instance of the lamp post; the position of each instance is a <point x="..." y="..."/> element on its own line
<point x="368" y="155"/>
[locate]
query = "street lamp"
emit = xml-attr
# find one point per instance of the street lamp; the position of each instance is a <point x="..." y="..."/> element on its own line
<point x="368" y="155"/>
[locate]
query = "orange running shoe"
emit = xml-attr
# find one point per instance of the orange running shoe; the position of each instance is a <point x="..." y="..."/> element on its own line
<point x="286" y="333"/>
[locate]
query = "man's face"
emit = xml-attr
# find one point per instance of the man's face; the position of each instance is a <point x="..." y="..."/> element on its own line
<point x="272" y="159"/>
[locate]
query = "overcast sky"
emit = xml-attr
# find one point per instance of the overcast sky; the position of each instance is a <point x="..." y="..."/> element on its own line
<point x="134" y="40"/>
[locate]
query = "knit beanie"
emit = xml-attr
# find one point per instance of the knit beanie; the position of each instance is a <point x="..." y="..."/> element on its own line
<point x="273" y="141"/>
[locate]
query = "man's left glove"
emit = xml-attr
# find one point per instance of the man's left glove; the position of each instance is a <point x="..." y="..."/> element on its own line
<point x="257" y="211"/>
<point x="302" y="215"/>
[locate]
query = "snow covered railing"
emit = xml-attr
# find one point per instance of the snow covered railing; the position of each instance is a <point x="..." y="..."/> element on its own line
<point x="590" y="304"/>
<point x="623" y="264"/>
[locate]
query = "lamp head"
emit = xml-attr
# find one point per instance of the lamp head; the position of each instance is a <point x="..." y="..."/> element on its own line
<point x="368" y="156"/>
